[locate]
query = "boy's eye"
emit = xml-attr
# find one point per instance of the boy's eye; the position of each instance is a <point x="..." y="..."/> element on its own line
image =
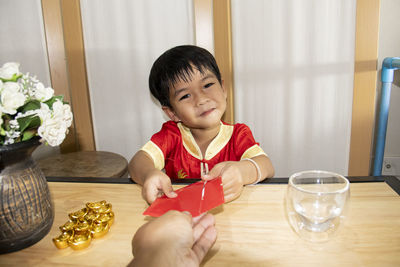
<point x="184" y="97"/>
<point x="208" y="85"/>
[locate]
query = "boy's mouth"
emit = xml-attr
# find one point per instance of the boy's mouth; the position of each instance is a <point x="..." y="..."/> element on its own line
<point x="208" y="111"/>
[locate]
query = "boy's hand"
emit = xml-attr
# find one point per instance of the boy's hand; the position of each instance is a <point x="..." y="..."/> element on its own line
<point x="155" y="184"/>
<point x="232" y="180"/>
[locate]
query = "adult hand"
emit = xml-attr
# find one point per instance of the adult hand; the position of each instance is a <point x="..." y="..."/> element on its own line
<point x="174" y="239"/>
<point x="231" y="176"/>
<point x="155" y="184"/>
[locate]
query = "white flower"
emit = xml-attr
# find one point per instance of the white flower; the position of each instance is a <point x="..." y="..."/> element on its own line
<point x="44" y="111"/>
<point x="53" y="131"/>
<point x="11" y="98"/>
<point x="62" y="112"/>
<point x="9" y="70"/>
<point x="42" y="93"/>
<point x="23" y="98"/>
<point x="55" y="122"/>
<point x="12" y="133"/>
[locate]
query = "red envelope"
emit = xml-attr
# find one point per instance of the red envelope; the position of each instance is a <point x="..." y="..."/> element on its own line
<point x="190" y="199"/>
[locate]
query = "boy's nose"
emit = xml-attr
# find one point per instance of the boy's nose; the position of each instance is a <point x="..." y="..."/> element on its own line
<point x="201" y="99"/>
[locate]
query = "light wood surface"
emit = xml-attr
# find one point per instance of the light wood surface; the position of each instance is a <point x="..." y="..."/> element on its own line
<point x="223" y="52"/>
<point x="364" y="91"/>
<point x="203" y="24"/>
<point x="75" y="54"/>
<point x="57" y="62"/>
<point x="252" y="230"/>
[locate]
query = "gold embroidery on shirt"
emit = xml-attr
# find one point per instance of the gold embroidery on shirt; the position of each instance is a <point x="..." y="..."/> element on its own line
<point x="182" y="174"/>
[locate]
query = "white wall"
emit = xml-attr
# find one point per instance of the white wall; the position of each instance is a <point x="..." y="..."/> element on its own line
<point x="23" y="41"/>
<point x="122" y="40"/>
<point x="293" y="71"/>
<point x="292" y="60"/>
<point x="389" y="46"/>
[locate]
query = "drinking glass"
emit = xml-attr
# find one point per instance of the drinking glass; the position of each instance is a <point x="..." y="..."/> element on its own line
<point x="316" y="204"/>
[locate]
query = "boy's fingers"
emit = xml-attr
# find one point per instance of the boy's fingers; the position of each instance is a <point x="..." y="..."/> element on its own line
<point x="149" y="197"/>
<point x="168" y="190"/>
<point x="215" y="172"/>
<point x="207" y="177"/>
<point x="149" y="193"/>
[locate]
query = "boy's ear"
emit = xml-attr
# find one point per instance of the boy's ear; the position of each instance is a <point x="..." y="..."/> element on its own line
<point x="170" y="113"/>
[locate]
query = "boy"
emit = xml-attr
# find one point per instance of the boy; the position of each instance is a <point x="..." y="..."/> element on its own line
<point x="195" y="143"/>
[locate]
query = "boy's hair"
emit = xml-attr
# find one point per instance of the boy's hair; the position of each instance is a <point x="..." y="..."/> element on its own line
<point x="176" y="64"/>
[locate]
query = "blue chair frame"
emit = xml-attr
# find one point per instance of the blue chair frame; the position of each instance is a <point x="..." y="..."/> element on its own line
<point x="388" y="66"/>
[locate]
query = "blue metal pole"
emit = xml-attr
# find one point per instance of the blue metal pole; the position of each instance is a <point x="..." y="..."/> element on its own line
<point x="388" y="67"/>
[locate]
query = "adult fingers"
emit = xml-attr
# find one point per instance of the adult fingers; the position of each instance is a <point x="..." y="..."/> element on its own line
<point x="205" y="242"/>
<point x="196" y="219"/>
<point x="202" y="224"/>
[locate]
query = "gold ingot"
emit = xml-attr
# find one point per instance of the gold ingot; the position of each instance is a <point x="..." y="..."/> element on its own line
<point x="78" y="214"/>
<point x="111" y="221"/>
<point x="105" y="218"/>
<point x="81" y="226"/>
<point x="105" y="208"/>
<point x="80" y="241"/>
<point x="96" y="206"/>
<point x="62" y="241"/>
<point x="91" y="216"/>
<point x="93" y="221"/>
<point x="99" y="229"/>
<point x="68" y="226"/>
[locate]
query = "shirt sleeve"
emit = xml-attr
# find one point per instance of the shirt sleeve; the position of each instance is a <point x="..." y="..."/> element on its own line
<point x="161" y="143"/>
<point x="245" y="144"/>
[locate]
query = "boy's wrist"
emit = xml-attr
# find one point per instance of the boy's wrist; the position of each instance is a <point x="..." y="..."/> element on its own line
<point x="251" y="179"/>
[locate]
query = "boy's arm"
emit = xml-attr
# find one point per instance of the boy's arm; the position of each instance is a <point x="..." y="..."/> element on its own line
<point x="236" y="174"/>
<point x="154" y="182"/>
<point x="249" y="170"/>
<point x="139" y="166"/>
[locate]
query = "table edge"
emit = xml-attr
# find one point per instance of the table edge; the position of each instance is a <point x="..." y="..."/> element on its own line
<point x="392" y="181"/>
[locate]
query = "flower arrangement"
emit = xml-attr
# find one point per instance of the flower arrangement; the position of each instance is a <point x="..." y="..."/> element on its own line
<point x="29" y="109"/>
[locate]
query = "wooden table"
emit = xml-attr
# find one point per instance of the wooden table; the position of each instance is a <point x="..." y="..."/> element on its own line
<point x="252" y="230"/>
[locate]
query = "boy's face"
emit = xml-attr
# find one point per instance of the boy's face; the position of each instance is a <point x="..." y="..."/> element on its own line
<point x="199" y="103"/>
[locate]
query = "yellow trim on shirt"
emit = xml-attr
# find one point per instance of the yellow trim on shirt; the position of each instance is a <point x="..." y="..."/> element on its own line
<point x="252" y="152"/>
<point x="216" y="145"/>
<point x="155" y="153"/>
<point x="188" y="141"/>
<point x="220" y="141"/>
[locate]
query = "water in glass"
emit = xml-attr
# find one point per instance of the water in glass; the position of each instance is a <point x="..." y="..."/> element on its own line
<point x="316" y="202"/>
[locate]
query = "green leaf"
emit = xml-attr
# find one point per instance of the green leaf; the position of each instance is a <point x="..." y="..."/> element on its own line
<point x="51" y="101"/>
<point x="31" y="105"/>
<point x="32" y="121"/>
<point x="14" y="78"/>
<point x="28" y="135"/>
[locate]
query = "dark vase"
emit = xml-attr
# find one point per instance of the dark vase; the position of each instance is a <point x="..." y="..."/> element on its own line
<point x="26" y="208"/>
